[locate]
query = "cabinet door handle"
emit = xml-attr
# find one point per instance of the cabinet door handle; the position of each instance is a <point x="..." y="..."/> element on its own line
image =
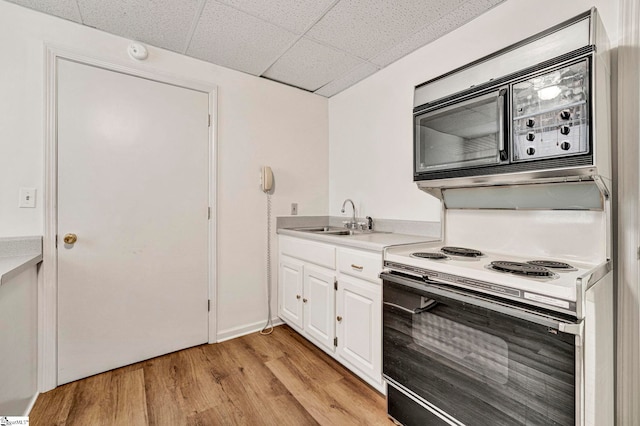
<point x="298" y="296"/>
<point x="304" y="300"/>
<point x="358" y="267"/>
<point x="339" y="318"/>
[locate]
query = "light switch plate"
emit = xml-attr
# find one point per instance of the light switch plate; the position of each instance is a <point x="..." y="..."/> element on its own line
<point x="294" y="209"/>
<point x="27" y="198"/>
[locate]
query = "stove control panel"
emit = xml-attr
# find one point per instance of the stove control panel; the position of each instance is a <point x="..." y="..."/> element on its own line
<point x="551" y="114"/>
<point x="483" y="286"/>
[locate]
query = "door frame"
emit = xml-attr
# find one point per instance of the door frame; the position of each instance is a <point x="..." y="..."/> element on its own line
<point x="48" y="288"/>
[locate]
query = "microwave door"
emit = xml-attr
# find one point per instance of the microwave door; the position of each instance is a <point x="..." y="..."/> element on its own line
<point x="465" y="134"/>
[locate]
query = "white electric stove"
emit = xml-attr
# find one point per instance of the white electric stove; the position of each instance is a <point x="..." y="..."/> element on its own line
<point x="551" y="283"/>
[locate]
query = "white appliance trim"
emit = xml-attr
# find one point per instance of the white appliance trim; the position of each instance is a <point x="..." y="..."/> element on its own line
<point x="47" y="291"/>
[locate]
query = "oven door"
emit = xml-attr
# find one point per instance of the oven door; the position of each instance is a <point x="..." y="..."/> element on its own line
<point x="463" y="134"/>
<point x="467" y="359"/>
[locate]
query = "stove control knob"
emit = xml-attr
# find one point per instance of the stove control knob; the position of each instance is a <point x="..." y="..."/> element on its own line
<point x="565" y="130"/>
<point x="531" y="150"/>
<point x="531" y="136"/>
<point x="530" y="122"/>
<point x="565" y="114"/>
<point x="565" y="146"/>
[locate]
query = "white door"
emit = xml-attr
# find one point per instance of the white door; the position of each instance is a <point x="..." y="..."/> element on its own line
<point x="133" y="168"/>
<point x="319" y="305"/>
<point x="359" y="330"/>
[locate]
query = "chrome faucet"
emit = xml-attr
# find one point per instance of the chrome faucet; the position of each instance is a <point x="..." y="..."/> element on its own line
<point x="353" y="224"/>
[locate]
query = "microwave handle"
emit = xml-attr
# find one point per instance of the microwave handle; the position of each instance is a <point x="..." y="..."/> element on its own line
<point x="502" y="101"/>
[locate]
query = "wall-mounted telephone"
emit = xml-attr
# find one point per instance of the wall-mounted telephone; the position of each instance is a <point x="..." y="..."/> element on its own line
<point x="266" y="179"/>
<point x="266" y="185"/>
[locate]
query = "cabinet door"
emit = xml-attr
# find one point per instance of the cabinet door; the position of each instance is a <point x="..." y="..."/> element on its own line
<point x="319" y="305"/>
<point x="290" y="287"/>
<point x="359" y="330"/>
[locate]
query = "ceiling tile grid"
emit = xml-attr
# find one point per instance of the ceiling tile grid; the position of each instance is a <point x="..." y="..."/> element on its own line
<point x="66" y="9"/>
<point x="293" y="15"/>
<point x="366" y="27"/>
<point x="347" y="80"/>
<point x="311" y="65"/>
<point x="455" y="19"/>
<point x="162" y="23"/>
<point x="323" y="46"/>
<point x="237" y="40"/>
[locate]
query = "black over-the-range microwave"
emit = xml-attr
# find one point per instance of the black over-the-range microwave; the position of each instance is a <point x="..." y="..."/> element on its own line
<point x="535" y="119"/>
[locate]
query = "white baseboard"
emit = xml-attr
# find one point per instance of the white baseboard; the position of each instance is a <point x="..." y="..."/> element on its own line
<point x="234" y="332"/>
<point x="31" y="404"/>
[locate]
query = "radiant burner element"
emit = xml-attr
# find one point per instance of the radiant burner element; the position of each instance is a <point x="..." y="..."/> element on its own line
<point x="429" y="255"/>
<point x="552" y="264"/>
<point x="461" y="251"/>
<point x="521" y="269"/>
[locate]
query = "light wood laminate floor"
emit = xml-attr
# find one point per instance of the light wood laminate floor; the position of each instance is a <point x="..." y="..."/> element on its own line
<point x="280" y="379"/>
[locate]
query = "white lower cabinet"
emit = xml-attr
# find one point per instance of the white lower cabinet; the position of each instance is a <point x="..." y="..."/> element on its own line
<point x="306" y="295"/>
<point x="319" y="306"/>
<point x="290" y="283"/>
<point x="333" y="297"/>
<point x="359" y="323"/>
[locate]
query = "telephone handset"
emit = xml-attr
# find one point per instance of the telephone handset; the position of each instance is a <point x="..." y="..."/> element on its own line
<point x="266" y="179"/>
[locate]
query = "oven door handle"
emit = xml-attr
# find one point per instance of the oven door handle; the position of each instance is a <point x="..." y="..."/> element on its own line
<point x="402" y="308"/>
<point x="432" y="289"/>
<point x="411" y="311"/>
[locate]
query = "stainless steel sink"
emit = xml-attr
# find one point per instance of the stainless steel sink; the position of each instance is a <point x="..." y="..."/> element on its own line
<point x="342" y="232"/>
<point x="327" y="230"/>
<point x="319" y="229"/>
<point x="333" y="230"/>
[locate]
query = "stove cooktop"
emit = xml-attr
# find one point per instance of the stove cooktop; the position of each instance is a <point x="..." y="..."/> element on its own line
<point x="532" y="278"/>
<point x="461" y="251"/>
<point x="521" y="269"/>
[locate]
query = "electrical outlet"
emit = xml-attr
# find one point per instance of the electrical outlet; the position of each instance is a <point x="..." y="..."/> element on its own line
<point x="27" y="198"/>
<point x="294" y="209"/>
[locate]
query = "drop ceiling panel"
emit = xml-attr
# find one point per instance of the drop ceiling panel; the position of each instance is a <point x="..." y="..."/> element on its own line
<point x="294" y="15"/>
<point x="324" y="46"/>
<point x="348" y="80"/>
<point x="455" y="19"/>
<point x="367" y="27"/>
<point x="234" y="39"/>
<point x="66" y="9"/>
<point x="311" y="65"/>
<point x="163" y="23"/>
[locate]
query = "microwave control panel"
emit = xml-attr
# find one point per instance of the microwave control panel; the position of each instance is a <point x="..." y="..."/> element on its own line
<point x="551" y="114"/>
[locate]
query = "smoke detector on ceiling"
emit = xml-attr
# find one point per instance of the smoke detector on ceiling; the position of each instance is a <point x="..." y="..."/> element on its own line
<point x="138" y="52"/>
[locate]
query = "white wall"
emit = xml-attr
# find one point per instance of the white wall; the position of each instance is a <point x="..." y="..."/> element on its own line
<point x="628" y="267"/>
<point x="370" y="124"/>
<point x="259" y="123"/>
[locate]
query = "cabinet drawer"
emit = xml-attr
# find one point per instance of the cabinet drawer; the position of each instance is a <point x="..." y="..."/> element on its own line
<point x="360" y="264"/>
<point x="318" y="253"/>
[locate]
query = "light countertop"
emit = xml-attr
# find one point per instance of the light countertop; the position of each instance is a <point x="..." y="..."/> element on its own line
<point x="375" y="241"/>
<point x="18" y="254"/>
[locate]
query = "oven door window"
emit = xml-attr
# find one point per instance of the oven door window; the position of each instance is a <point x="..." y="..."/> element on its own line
<point x="479" y="366"/>
<point x="465" y="134"/>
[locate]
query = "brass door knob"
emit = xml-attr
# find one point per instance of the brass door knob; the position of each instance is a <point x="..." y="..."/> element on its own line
<point x="298" y="296"/>
<point x="70" y="238"/>
<point x="304" y="300"/>
<point x="339" y="318"/>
